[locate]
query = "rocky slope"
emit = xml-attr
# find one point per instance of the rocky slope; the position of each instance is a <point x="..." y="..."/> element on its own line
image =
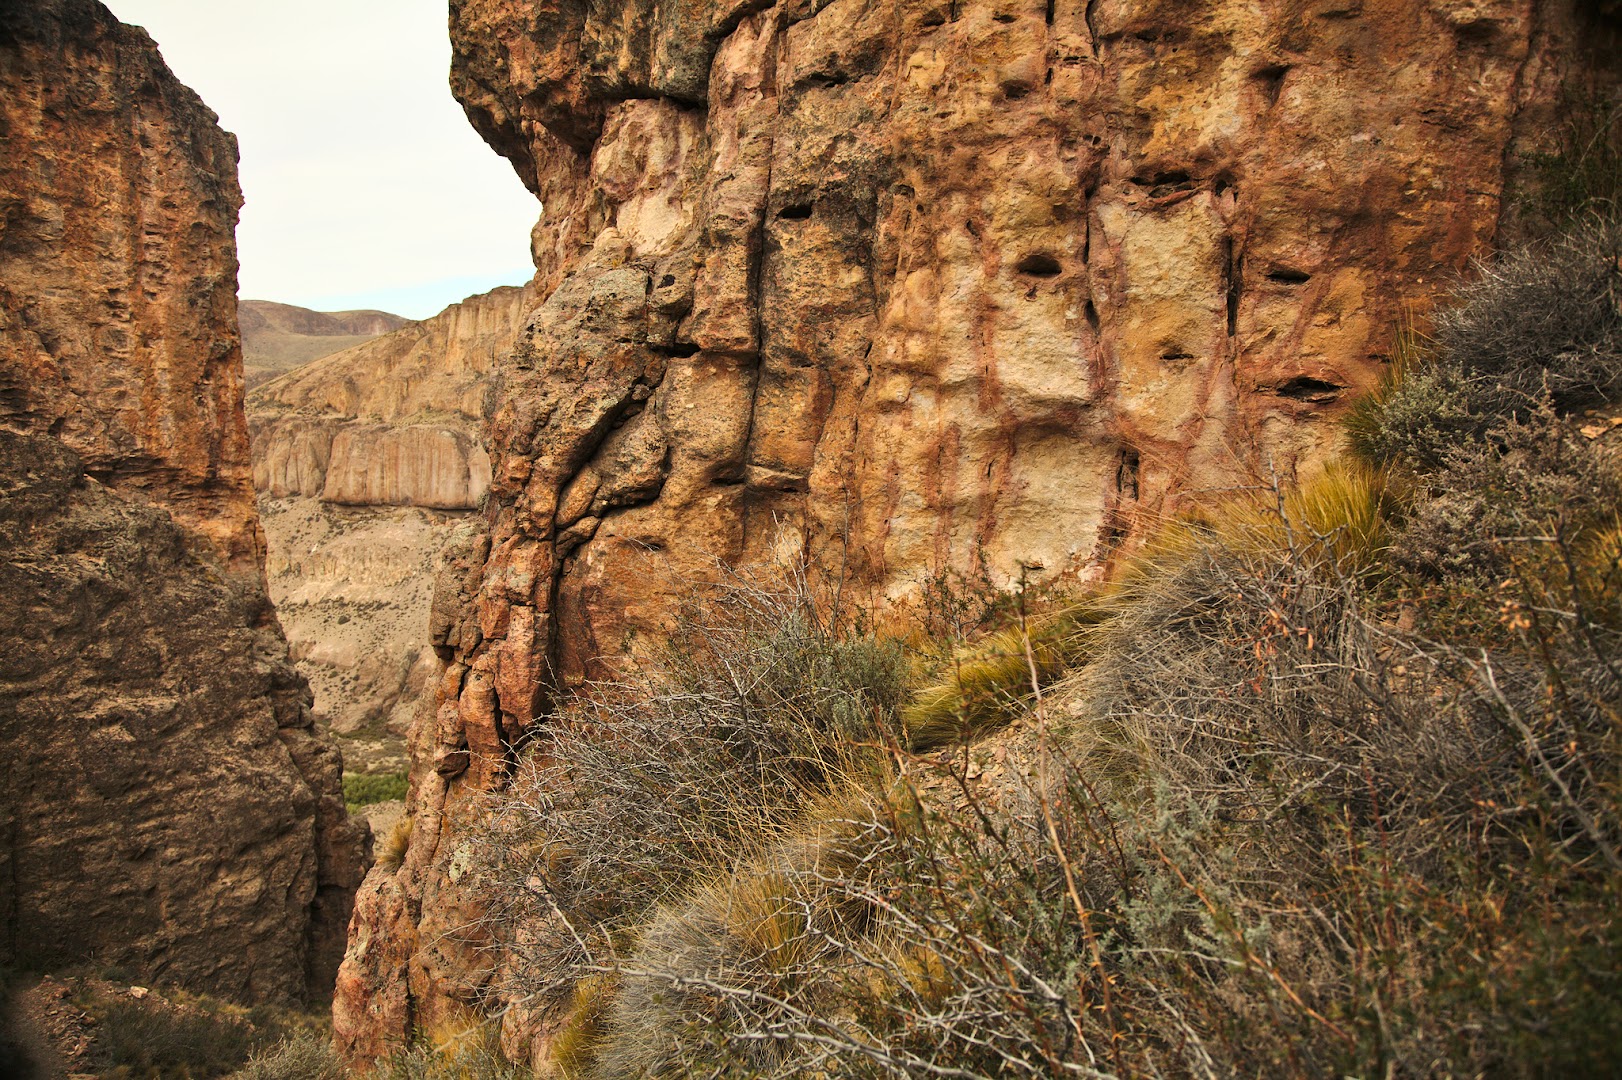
<point x="167" y="806"/>
<point x="279" y="337"/>
<point x="367" y="461"/>
<point x="904" y="288"/>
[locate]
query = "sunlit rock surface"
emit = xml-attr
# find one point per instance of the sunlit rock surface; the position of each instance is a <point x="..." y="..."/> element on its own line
<point x="909" y="287"/>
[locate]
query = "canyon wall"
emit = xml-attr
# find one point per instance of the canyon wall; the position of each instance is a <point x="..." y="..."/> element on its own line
<point x="897" y="288"/>
<point x="393" y="421"/>
<point x="366" y="462"/>
<point x="167" y="807"/>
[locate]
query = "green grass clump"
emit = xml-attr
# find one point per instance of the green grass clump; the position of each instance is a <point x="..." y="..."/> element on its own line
<point x="364" y="789"/>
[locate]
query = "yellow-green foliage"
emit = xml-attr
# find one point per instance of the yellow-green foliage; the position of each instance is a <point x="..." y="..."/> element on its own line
<point x="574" y="1047"/>
<point x="463" y="1046"/>
<point x="1344" y="514"/>
<point x="990" y="681"/>
<point x="392" y="852"/>
<point x="1599" y="574"/>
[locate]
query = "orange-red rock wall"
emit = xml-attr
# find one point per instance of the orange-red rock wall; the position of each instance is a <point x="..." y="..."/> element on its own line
<point x="902" y="287"/>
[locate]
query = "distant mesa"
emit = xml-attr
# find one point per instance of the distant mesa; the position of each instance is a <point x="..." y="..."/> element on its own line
<point x="279" y="337"/>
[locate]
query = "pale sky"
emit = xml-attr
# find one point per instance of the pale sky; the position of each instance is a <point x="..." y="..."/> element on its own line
<point x="365" y="186"/>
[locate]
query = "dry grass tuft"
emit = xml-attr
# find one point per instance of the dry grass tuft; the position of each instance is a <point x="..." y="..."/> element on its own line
<point x="392" y="852"/>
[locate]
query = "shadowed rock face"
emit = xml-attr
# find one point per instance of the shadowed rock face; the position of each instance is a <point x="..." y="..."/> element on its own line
<point x="166" y="805"/>
<point x="902" y="287"/>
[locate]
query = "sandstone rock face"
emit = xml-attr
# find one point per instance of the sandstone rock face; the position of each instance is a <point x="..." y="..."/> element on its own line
<point x="167" y="806"/>
<point x="365" y="460"/>
<point x="909" y="287"/>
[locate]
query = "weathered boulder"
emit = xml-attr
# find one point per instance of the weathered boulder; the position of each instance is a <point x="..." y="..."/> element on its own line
<point x="167" y="805"/>
<point x="908" y="287"/>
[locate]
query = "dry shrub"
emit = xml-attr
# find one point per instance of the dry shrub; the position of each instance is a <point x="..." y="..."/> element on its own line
<point x="1544" y="318"/>
<point x="762" y="705"/>
<point x="1541" y="329"/>
<point x="306" y="1056"/>
<point x="1268" y="834"/>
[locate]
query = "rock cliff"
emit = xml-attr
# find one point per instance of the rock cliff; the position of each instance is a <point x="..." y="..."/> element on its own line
<point x="392" y="421"/>
<point x="167" y="806"/>
<point x="905" y="287"/>
<point x="365" y="460"/>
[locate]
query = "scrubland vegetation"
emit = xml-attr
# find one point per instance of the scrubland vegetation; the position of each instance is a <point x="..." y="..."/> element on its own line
<point x="1324" y="782"/>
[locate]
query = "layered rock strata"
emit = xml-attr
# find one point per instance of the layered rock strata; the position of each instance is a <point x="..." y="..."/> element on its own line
<point x="367" y="460"/>
<point x="907" y="287"/>
<point x="166" y="804"/>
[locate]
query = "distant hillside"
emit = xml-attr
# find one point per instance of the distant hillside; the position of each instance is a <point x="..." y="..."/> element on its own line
<point x="279" y="337"/>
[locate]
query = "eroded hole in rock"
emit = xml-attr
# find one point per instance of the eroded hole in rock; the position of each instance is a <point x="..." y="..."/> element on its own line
<point x="1271" y="81"/>
<point x="1175" y="355"/>
<point x="1126" y="473"/>
<point x="1309" y="389"/>
<point x="1285" y="276"/>
<point x="1234" y="268"/>
<point x="1162" y="184"/>
<point x="1477" y="34"/>
<point x="1039" y="264"/>
<point x="1002" y="17"/>
<point x="828" y="79"/>
<point x="679" y="349"/>
<point x="1089" y="311"/>
<point x="667" y="281"/>
<point x="795" y="212"/>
